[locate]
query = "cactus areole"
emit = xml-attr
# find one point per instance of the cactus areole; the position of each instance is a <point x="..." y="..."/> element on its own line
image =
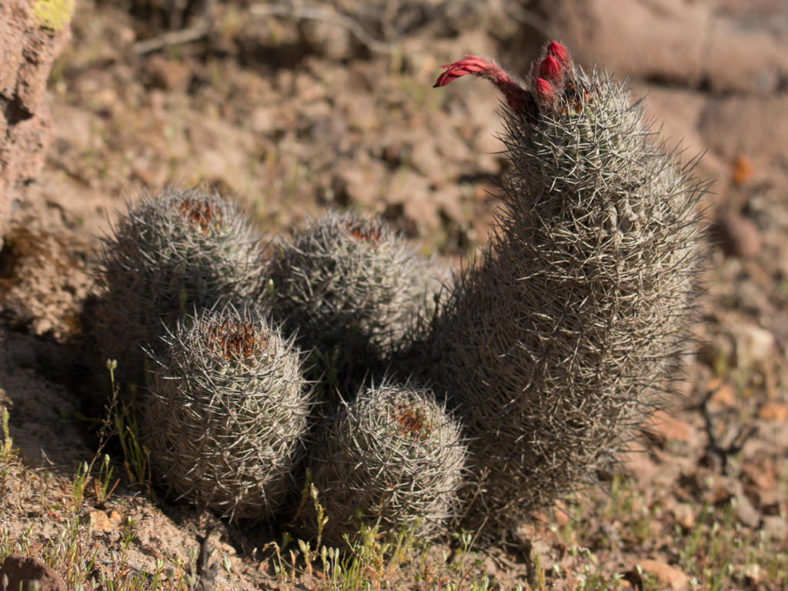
<point x="561" y="339"/>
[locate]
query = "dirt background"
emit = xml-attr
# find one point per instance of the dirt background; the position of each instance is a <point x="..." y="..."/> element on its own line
<point x="292" y="111"/>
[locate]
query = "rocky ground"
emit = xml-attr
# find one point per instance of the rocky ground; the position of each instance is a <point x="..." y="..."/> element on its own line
<point x="293" y="111"/>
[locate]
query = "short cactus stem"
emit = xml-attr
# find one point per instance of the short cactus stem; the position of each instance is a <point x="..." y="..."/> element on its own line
<point x="227" y="413"/>
<point x="349" y="282"/>
<point x="392" y="459"/>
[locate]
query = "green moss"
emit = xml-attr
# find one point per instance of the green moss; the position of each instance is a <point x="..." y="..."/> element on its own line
<point x="53" y="14"/>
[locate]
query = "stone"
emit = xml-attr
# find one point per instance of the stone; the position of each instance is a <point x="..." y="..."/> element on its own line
<point x="737" y="235"/>
<point x="722" y="392"/>
<point x="746" y="512"/>
<point x="774" y="411"/>
<point x="101" y="521"/>
<point x="680" y="41"/>
<point x="167" y="74"/>
<point x="754" y="126"/>
<point x="668" y="576"/>
<point x="29" y="44"/>
<point x="753" y="344"/>
<point x="667" y="428"/>
<point x="20" y="571"/>
<point x="684" y="515"/>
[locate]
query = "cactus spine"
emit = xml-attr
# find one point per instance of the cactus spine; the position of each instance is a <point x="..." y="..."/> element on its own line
<point x="393" y="458"/>
<point x="557" y="345"/>
<point x="165" y="255"/>
<point x="227" y="412"/>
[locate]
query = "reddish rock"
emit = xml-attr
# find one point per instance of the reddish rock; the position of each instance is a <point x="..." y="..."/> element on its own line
<point x="669" y="577"/>
<point x="742" y="170"/>
<point x="737" y="235"/>
<point x="21" y="571"/>
<point x="774" y="411"/>
<point x="29" y="46"/>
<point x="167" y="74"/>
<point x="664" y="427"/>
<point x="722" y="392"/>
<point x="680" y="41"/>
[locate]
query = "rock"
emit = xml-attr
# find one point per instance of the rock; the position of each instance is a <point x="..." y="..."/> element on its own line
<point x="763" y="475"/>
<point x="684" y="515"/>
<point x="742" y="170"/>
<point x="410" y="192"/>
<point x="751" y="125"/>
<point x="21" y="571"/>
<point x="723" y="392"/>
<point x="737" y="235"/>
<point x="358" y="185"/>
<point x="100" y="521"/>
<point x="743" y="58"/>
<point x="668" y="576"/>
<point x="774" y="411"/>
<point x="328" y="39"/>
<point x="427" y="161"/>
<point x="167" y="74"/>
<point x="637" y="462"/>
<point x="29" y="43"/>
<point x="626" y="35"/>
<point x="746" y="513"/>
<point x="679" y="41"/>
<point x="753" y="344"/>
<point x="664" y="427"/>
<point x="45" y="283"/>
<point x="677" y="111"/>
<point x="774" y="527"/>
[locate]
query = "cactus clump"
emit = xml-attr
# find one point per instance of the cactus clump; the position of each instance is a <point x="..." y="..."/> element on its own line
<point x="227" y="412"/>
<point x="166" y="255"/>
<point x="350" y="282"/>
<point x="558" y="344"/>
<point x="393" y="459"/>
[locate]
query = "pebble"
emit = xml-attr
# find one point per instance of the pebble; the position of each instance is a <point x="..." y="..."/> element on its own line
<point x="18" y="572"/>
<point x="669" y="576"/>
<point x="666" y="427"/>
<point x="774" y="411"/>
<point x="737" y="235"/>
<point x="753" y="344"/>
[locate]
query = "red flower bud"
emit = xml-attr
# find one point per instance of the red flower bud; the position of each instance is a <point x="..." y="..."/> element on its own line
<point x="551" y="70"/>
<point x="559" y="52"/>
<point x="545" y="93"/>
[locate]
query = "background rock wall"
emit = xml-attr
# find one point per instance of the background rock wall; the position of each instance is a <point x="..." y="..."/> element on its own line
<point x="32" y="34"/>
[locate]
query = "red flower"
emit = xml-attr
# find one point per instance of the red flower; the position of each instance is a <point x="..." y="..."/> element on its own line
<point x="513" y="93"/>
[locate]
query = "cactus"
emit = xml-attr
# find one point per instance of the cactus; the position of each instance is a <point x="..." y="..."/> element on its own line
<point x="166" y="255"/>
<point x="560" y="341"/>
<point x="394" y="459"/>
<point x="227" y="412"/>
<point x="350" y="282"/>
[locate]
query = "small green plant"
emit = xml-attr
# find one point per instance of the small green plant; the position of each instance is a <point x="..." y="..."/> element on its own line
<point x="8" y="442"/>
<point x="102" y="485"/>
<point x="136" y="457"/>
